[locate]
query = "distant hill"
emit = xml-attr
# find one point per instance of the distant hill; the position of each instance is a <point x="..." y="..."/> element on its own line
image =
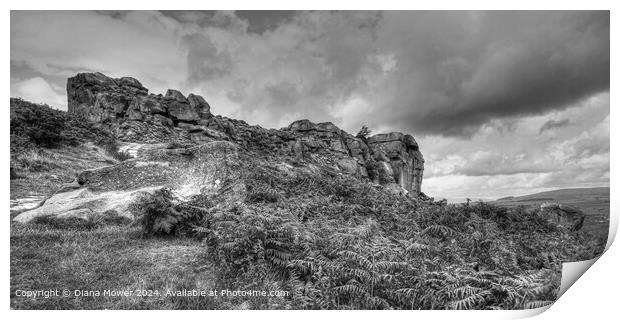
<point x="601" y="193"/>
<point x="593" y="201"/>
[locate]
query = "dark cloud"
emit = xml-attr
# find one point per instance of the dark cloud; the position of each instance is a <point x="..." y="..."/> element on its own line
<point x="260" y="21"/>
<point x="553" y="124"/>
<point x="457" y="71"/>
<point x="446" y="73"/>
<point x="21" y="70"/>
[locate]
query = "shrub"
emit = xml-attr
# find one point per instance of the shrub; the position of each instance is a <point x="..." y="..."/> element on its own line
<point x="155" y="212"/>
<point x="40" y="125"/>
<point x="175" y="145"/>
<point x="160" y="213"/>
<point x="364" y="133"/>
<point x="111" y="149"/>
<point x="35" y="160"/>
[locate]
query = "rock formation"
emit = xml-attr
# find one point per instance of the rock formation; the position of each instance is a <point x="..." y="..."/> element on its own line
<point x="107" y="192"/>
<point x="125" y="107"/>
<point x="176" y="143"/>
<point x="100" y="98"/>
<point x="562" y="216"/>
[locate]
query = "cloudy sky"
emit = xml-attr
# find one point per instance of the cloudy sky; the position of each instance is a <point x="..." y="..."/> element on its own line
<point x="501" y="103"/>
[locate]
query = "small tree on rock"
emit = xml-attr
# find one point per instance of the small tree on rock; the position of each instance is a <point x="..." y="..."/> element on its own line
<point x="364" y="133"/>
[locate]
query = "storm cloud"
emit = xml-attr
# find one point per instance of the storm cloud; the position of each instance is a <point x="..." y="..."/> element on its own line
<point x="486" y="94"/>
<point x="460" y="70"/>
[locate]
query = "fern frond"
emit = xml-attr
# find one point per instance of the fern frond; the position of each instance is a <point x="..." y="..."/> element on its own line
<point x="537" y="304"/>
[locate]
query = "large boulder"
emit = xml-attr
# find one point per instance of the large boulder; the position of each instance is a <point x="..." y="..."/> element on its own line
<point x="200" y="105"/>
<point x="176" y="95"/>
<point x="320" y="136"/>
<point x="562" y="216"/>
<point x="86" y="204"/>
<point x="403" y="154"/>
<point x="98" y="97"/>
<point x="150" y="104"/>
<point x="108" y="191"/>
<point x="179" y="108"/>
<point x="182" y="112"/>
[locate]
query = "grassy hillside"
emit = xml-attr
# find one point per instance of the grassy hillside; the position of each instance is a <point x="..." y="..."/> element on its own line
<point x="328" y="240"/>
<point x="564" y="195"/>
<point x="594" y="202"/>
<point x="49" y="147"/>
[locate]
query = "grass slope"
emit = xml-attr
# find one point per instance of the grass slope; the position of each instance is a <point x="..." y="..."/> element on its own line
<point x="331" y="241"/>
<point x="101" y="258"/>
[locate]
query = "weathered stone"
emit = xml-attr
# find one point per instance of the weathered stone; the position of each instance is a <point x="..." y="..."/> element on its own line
<point x="133" y="113"/>
<point x="96" y="79"/>
<point x="562" y="216"/>
<point x="191" y="128"/>
<point x="86" y="204"/>
<point x="396" y="189"/>
<point x="150" y="104"/>
<point x="182" y="112"/>
<point x="404" y="156"/>
<point x="108" y="106"/>
<point x="323" y="135"/>
<point x="131" y="82"/>
<point x="301" y="125"/>
<point x="410" y="142"/>
<point x="140" y="117"/>
<point x="175" y="95"/>
<point x="357" y="148"/>
<point x="165" y="121"/>
<point x="348" y="166"/>
<point x="110" y="190"/>
<point x="149" y="130"/>
<point x="98" y="97"/>
<point x="200" y="105"/>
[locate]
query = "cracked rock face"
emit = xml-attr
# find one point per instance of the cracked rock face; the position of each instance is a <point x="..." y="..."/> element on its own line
<point x="402" y="153"/>
<point x="99" y="98"/>
<point x="126" y="109"/>
<point x="109" y="191"/>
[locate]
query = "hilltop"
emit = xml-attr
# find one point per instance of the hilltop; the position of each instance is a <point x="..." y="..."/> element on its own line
<point x="174" y="198"/>
<point x="594" y="202"/>
<point x="574" y="194"/>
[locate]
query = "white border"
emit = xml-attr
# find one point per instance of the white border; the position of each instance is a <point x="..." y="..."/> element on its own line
<point x="594" y="295"/>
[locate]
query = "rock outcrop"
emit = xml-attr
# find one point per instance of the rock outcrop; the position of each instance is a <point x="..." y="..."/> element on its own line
<point x="126" y="109"/>
<point x="562" y="216"/>
<point x="109" y="191"/>
<point x="100" y="98"/>
<point x="401" y="153"/>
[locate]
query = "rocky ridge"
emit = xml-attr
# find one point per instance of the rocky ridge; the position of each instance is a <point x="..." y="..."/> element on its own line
<point x="126" y="108"/>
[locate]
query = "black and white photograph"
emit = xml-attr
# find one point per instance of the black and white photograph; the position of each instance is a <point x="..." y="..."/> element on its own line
<point x="305" y="159"/>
